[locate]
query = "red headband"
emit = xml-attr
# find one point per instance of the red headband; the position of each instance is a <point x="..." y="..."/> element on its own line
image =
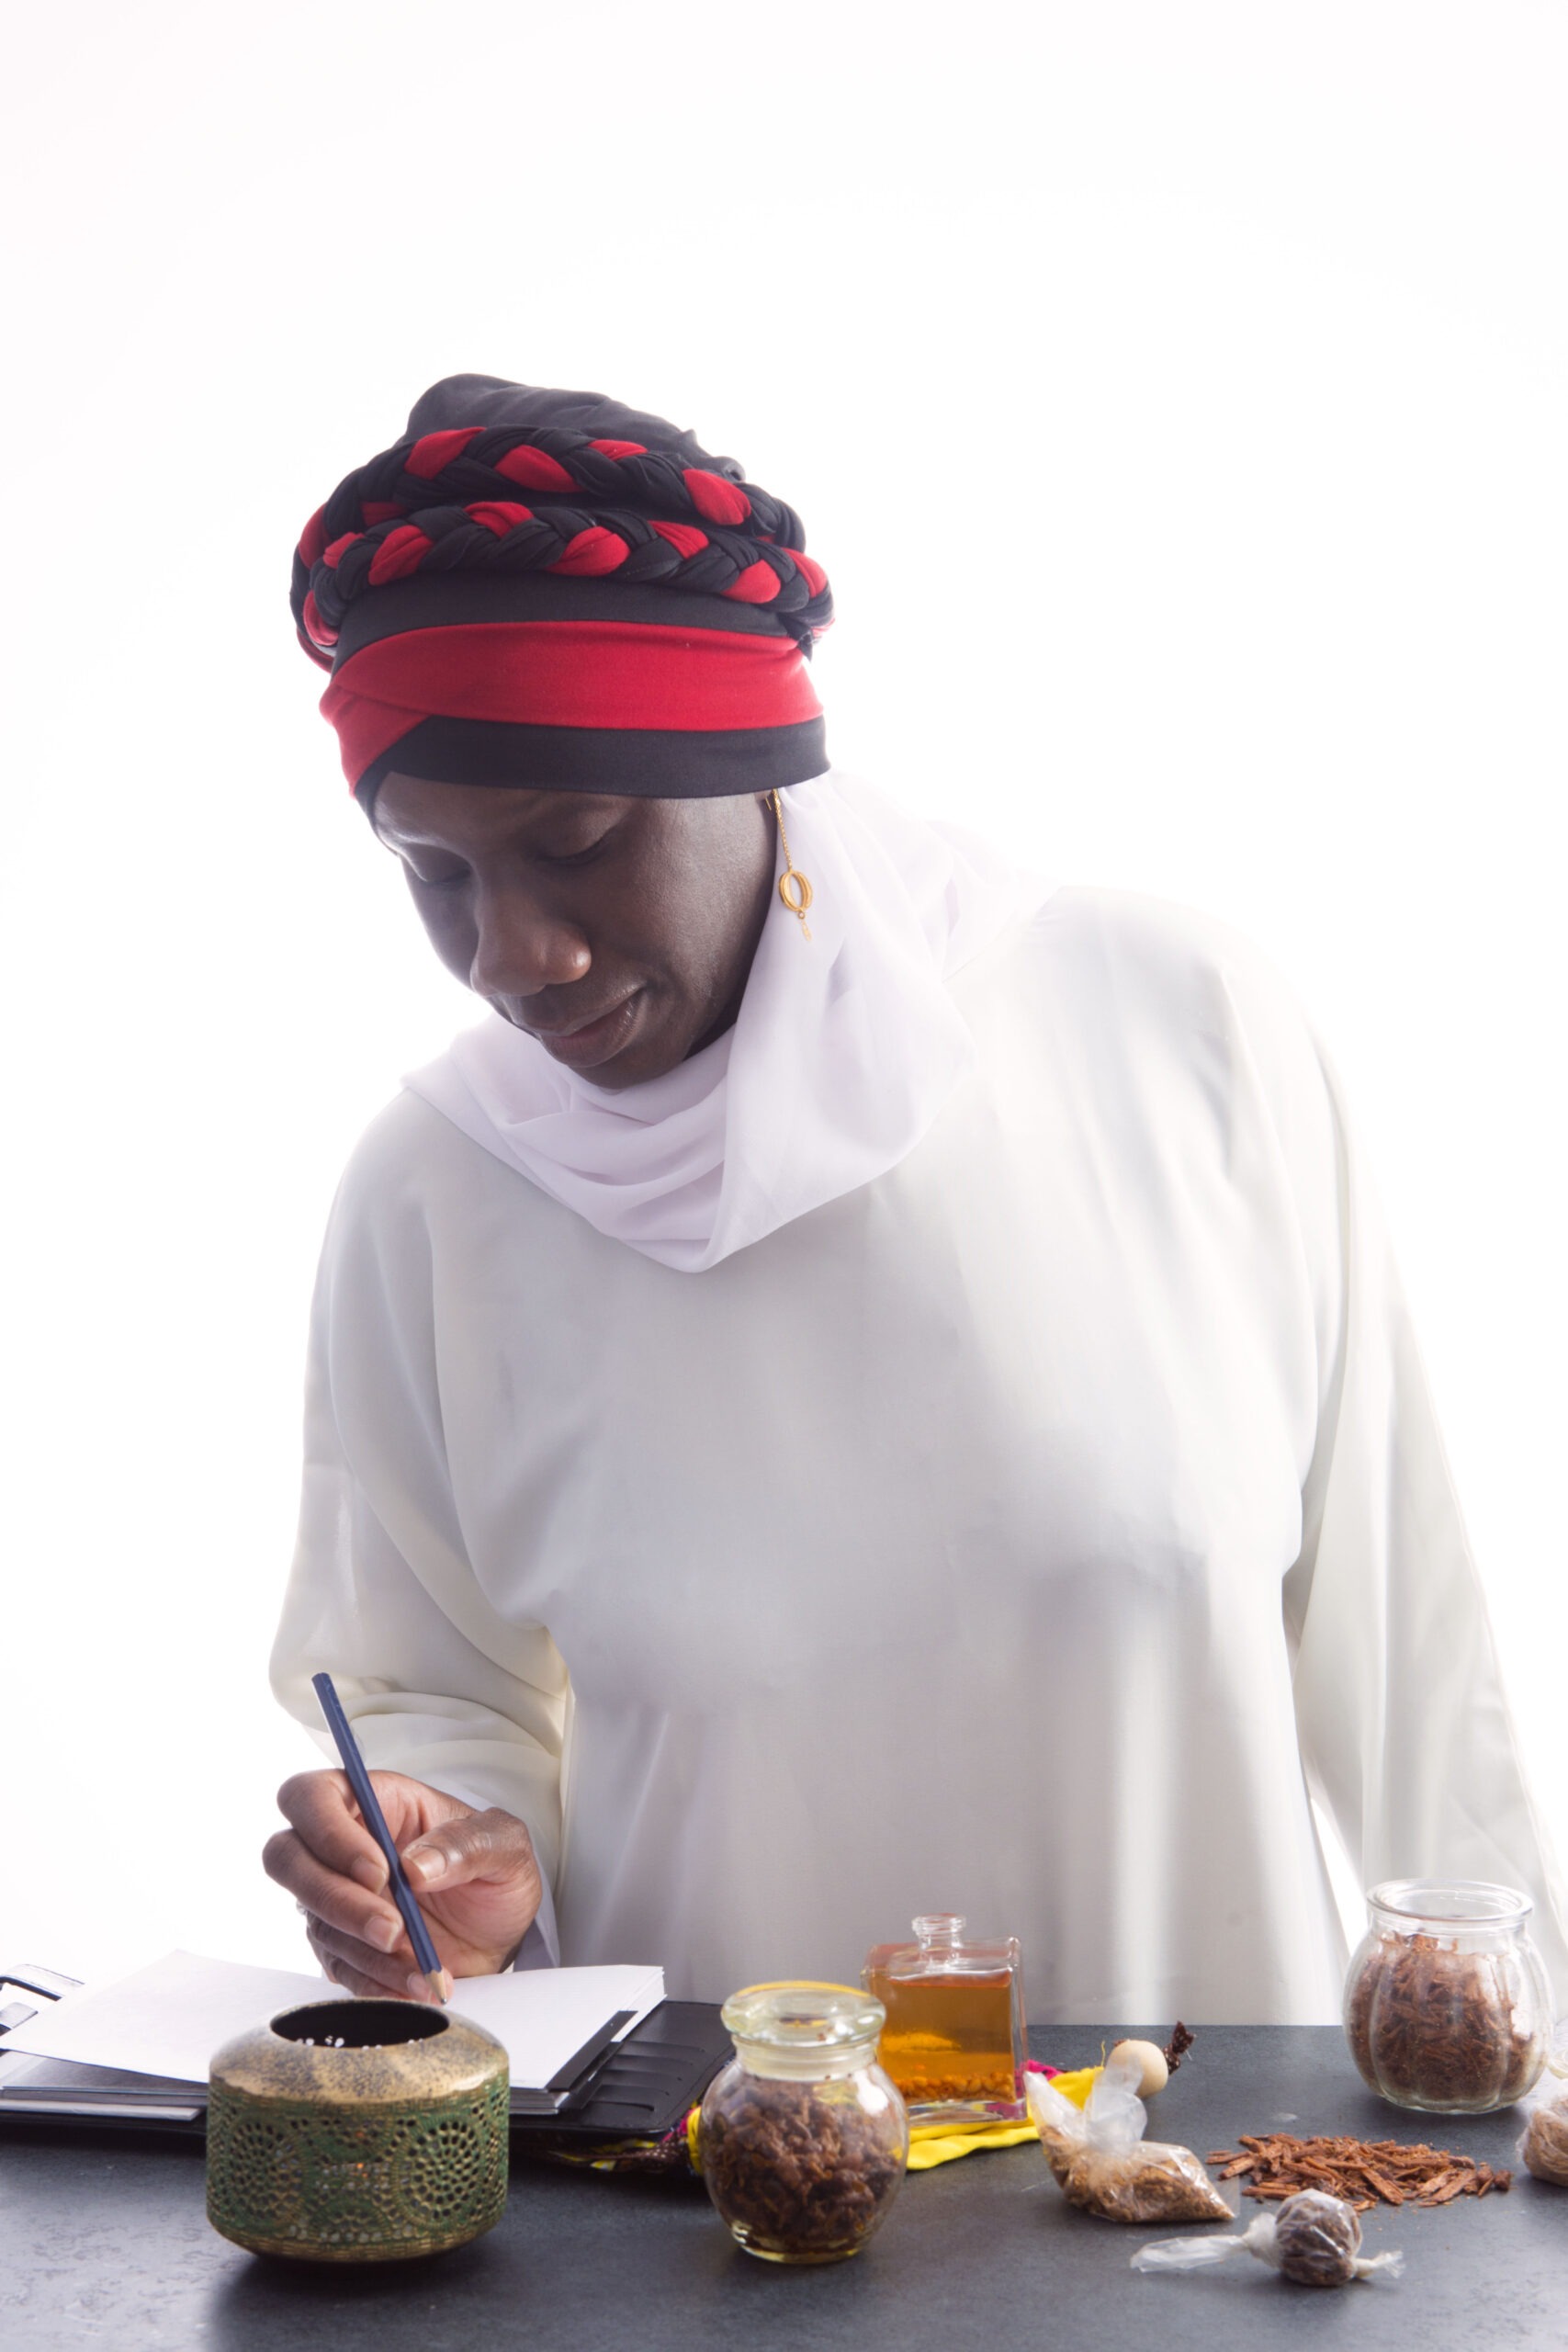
<point x="588" y="703"/>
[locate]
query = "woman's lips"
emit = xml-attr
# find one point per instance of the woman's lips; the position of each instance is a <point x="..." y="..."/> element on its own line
<point x="594" y="1041"/>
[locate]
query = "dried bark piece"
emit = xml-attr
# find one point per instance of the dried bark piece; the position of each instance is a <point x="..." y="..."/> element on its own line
<point x="1361" y="2172"/>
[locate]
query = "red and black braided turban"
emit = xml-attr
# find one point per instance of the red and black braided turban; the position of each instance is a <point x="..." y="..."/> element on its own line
<point x="546" y="588"/>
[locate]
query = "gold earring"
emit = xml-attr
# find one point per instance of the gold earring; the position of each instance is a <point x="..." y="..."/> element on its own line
<point x="799" y="899"/>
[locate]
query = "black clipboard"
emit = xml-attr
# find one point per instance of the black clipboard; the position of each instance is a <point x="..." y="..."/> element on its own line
<point x="640" y="2088"/>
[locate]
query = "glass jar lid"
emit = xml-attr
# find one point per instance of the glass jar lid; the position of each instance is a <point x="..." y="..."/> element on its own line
<point x="1456" y="1902"/>
<point x="804" y="2029"/>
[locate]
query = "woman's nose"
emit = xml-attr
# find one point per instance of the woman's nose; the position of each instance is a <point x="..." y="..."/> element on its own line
<point x="522" y="947"/>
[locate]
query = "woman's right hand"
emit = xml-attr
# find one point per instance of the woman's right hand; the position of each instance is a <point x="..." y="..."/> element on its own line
<point x="474" y="1875"/>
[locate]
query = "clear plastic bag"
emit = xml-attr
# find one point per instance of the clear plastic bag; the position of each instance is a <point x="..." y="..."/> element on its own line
<point x="1102" y="2161"/>
<point x="1310" y="2238"/>
<point x="1543" y="2143"/>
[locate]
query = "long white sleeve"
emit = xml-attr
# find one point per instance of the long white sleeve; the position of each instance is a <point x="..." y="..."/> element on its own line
<point x="1404" y="1728"/>
<point x="383" y="1594"/>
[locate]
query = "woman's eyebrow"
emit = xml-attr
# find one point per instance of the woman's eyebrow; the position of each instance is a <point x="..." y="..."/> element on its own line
<point x="592" y="808"/>
<point x="403" y="844"/>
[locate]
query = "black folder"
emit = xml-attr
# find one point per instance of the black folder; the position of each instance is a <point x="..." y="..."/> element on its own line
<point x="637" y="2090"/>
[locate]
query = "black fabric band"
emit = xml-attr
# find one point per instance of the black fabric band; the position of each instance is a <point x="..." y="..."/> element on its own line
<point x="633" y="763"/>
<point x="447" y="599"/>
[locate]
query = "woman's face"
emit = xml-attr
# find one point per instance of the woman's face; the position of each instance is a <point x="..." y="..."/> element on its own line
<point x="618" y="932"/>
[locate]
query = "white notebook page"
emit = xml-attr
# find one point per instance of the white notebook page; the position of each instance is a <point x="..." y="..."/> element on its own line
<point x="169" y="2016"/>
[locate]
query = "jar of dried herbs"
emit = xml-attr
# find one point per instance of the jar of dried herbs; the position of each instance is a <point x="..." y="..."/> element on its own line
<point x="802" y="2137"/>
<point x="1447" y="2005"/>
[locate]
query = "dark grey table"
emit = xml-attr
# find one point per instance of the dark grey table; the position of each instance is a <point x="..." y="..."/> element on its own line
<point x="105" y="2242"/>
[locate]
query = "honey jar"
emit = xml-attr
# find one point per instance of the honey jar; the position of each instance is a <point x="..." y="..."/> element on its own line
<point x="954" y="2040"/>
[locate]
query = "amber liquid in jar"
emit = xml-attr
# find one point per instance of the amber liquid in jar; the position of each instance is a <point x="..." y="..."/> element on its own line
<point x="954" y="2038"/>
<point x="947" y="2038"/>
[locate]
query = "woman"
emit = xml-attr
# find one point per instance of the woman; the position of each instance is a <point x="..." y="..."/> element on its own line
<point x="869" y="1383"/>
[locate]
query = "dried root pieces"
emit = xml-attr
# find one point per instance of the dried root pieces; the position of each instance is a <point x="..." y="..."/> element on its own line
<point x="1364" y="2172"/>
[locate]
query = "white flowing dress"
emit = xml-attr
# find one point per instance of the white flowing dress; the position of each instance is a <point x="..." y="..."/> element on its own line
<point x="1034" y="1531"/>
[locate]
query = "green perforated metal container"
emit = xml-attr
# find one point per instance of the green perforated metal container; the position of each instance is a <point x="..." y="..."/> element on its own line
<point x="358" y="2131"/>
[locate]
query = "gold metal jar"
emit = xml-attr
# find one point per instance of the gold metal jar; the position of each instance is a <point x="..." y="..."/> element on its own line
<point x="351" y="2130"/>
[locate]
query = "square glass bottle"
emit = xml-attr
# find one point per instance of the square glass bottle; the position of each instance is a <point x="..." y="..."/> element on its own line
<point x="954" y="2040"/>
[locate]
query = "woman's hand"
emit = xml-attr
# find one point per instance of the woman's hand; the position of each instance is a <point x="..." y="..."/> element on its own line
<point x="474" y="1876"/>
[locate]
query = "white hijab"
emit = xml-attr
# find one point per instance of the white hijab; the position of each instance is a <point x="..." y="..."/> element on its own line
<point x="846" y="1048"/>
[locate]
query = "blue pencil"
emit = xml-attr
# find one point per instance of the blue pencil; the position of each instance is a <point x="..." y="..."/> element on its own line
<point x="365" y="1797"/>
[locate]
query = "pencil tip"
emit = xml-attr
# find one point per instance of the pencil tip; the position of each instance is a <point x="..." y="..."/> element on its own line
<point x="440" y="1983"/>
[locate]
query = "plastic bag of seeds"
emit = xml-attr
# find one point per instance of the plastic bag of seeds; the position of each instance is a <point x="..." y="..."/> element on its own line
<point x="1312" y="2239"/>
<point x="1102" y="2161"/>
<point x="1543" y="2143"/>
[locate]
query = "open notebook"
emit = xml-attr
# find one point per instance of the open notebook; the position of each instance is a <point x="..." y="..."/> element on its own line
<point x="140" y="2042"/>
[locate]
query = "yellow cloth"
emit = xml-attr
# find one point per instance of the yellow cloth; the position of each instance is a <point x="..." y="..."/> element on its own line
<point x="939" y="2144"/>
<point x="929" y="2143"/>
<point x="1078" y="2084"/>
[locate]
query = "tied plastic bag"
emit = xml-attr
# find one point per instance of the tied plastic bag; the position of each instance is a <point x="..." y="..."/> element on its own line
<point x="1102" y="2161"/>
<point x="1312" y="2238"/>
<point x="1543" y="2145"/>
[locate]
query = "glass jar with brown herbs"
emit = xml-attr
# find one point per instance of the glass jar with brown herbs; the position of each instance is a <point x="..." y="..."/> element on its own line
<point x="802" y="2137"/>
<point x="1447" y="2005"/>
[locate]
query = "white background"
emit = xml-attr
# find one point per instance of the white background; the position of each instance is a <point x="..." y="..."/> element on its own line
<point x="1175" y="394"/>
